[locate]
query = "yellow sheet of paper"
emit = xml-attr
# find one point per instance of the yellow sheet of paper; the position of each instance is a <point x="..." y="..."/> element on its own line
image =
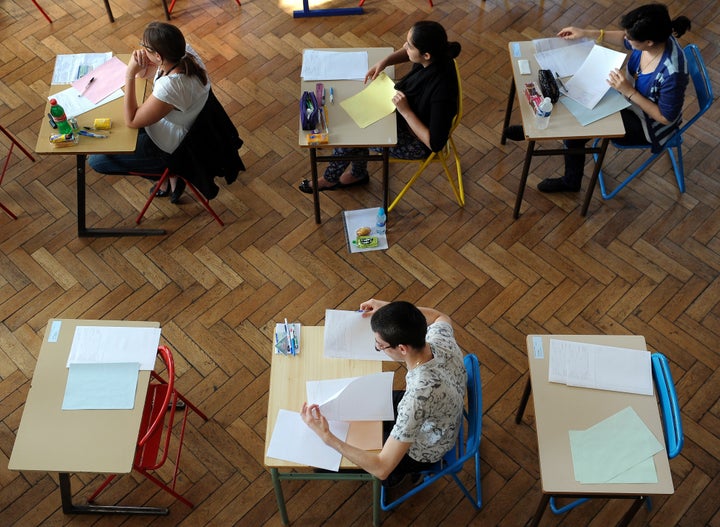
<point x="373" y="103"/>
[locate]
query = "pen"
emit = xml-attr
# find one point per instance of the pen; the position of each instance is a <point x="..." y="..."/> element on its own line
<point x="292" y="339"/>
<point x="90" y="134"/>
<point x="53" y="124"/>
<point x="92" y="79"/>
<point x="560" y="82"/>
<point x="332" y="96"/>
<point x="287" y="333"/>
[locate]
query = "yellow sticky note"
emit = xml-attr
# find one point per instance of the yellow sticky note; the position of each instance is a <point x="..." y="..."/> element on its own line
<point x="373" y="103"/>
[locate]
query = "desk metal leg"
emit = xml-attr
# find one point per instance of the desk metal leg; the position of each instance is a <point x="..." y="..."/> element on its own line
<point x="69" y="508"/>
<point x="508" y="111"/>
<point x="539" y="511"/>
<point x="85" y="232"/>
<point x="523" y="401"/>
<point x="376" y="502"/>
<point x="630" y="514"/>
<point x="279" y="495"/>
<point x="594" y="177"/>
<point x="386" y="176"/>
<point x="314" y="177"/>
<point x="523" y="179"/>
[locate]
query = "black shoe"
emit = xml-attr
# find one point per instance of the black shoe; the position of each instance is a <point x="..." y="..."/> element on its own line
<point x="307" y="188"/>
<point x="178" y="191"/>
<point x="515" y="133"/>
<point x="160" y="193"/>
<point x="556" y="184"/>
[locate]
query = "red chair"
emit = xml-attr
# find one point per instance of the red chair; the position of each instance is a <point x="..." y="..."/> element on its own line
<point x="161" y="403"/>
<point x="13" y="143"/>
<point x="42" y="11"/>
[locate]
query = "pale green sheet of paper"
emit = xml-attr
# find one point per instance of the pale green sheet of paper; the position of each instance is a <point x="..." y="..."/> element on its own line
<point x="373" y="103"/>
<point x="613" y="449"/>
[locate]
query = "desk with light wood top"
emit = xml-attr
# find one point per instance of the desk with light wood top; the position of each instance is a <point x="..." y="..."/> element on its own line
<point x="288" y="377"/>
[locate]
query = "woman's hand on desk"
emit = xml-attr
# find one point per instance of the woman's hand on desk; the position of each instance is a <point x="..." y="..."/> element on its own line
<point x="316" y="421"/>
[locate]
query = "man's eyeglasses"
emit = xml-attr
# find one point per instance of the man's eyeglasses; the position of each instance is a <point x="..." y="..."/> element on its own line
<point x="147" y="48"/>
<point x="383" y="348"/>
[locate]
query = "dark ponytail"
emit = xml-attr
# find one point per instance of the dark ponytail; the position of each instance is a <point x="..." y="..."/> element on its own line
<point x="430" y="37"/>
<point x="169" y="42"/>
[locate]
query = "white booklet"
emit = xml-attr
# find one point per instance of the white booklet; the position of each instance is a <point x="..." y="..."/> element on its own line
<point x="348" y="336"/>
<point x="366" y="398"/>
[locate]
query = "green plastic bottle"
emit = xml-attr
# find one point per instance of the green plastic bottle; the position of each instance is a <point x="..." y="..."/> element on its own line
<point x="58" y="115"/>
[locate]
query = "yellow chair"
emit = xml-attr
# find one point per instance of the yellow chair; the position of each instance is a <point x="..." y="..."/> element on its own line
<point x="443" y="156"/>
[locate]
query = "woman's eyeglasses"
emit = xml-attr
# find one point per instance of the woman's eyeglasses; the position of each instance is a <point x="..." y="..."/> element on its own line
<point x="147" y="48"/>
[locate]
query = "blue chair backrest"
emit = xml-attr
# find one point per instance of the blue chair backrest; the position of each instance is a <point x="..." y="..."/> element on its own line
<point x="669" y="406"/>
<point x="467" y="446"/>
<point x="701" y="81"/>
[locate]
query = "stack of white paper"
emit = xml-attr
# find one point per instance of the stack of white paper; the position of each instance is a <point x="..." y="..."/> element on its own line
<point x="348" y="336"/>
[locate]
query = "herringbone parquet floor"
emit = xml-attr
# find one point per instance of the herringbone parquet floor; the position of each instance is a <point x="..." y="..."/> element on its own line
<point x="645" y="263"/>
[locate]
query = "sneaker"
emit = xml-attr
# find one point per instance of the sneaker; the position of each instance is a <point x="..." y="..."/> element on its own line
<point x="515" y="133"/>
<point x="556" y="185"/>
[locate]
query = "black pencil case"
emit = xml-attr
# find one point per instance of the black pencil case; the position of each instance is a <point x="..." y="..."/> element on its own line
<point x="308" y="111"/>
<point x="548" y="85"/>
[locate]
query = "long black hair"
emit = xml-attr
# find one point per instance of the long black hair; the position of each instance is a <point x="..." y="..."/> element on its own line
<point x="652" y="22"/>
<point x="430" y="37"/>
<point x="169" y="42"/>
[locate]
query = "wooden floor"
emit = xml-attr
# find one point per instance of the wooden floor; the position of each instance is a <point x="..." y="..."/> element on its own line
<point x="645" y="263"/>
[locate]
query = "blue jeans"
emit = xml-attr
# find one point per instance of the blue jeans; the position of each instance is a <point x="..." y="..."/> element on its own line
<point x="147" y="158"/>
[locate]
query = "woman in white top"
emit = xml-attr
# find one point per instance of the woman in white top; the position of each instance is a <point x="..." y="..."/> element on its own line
<point x="180" y="90"/>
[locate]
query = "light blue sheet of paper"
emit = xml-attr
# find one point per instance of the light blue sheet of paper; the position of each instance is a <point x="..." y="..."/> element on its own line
<point x="611" y="102"/>
<point x="612" y="447"/>
<point x="97" y="386"/>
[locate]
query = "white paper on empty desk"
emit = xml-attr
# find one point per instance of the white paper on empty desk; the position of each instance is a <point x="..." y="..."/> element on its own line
<point x="600" y="367"/>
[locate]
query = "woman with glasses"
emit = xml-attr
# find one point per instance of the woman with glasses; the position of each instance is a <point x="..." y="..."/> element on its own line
<point x="180" y="90"/>
<point x="429" y="411"/>
<point x="654" y="82"/>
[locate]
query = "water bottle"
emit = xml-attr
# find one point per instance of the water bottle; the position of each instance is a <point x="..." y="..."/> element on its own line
<point x="380" y="221"/>
<point x="542" y="117"/>
<point x="58" y="115"/>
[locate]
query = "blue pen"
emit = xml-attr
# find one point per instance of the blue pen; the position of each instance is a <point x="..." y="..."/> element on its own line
<point x="90" y="134"/>
<point x="290" y="342"/>
<point x="332" y="96"/>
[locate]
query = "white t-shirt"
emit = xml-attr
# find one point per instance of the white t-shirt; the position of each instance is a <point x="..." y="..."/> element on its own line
<point x="188" y="96"/>
<point x="428" y="416"/>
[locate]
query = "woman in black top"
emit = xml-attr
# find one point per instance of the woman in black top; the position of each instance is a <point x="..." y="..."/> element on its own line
<point x="426" y="101"/>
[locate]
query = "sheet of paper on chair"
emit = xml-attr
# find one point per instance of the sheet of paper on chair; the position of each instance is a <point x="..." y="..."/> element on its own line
<point x="619" y="448"/>
<point x="366" y="398"/>
<point x="348" y="336"/>
<point x="321" y="65"/>
<point x="600" y="367"/>
<point x="96" y="344"/>
<point x="292" y="440"/>
<point x="101" y="386"/>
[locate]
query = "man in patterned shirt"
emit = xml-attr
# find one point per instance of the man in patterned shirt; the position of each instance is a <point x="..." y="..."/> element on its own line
<point x="429" y="413"/>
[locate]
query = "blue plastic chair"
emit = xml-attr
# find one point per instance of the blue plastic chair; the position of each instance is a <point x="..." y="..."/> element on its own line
<point x="670" y="412"/>
<point x="467" y="446"/>
<point x="703" y="90"/>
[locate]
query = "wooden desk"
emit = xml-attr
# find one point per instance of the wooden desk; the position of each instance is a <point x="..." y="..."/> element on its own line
<point x="563" y="125"/>
<point x="559" y="408"/>
<point x="343" y="130"/>
<point x="121" y="140"/>
<point x="50" y="439"/>
<point x="288" y="376"/>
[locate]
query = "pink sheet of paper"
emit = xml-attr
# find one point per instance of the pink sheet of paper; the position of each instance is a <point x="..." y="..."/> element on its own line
<point x="108" y="78"/>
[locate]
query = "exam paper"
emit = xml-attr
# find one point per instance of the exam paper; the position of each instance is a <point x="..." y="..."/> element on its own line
<point x="292" y="440"/>
<point x="348" y="336"/>
<point x="589" y="83"/>
<point x="99" y="344"/>
<point x="564" y="58"/>
<point x="106" y="80"/>
<point x="611" y="103"/>
<point x="373" y="103"/>
<point x="334" y="65"/>
<point x="101" y="386"/>
<point x="366" y="398"/>
<point x="69" y="68"/>
<point x="74" y="105"/>
<point x="621" y="447"/>
<point x="600" y="367"/>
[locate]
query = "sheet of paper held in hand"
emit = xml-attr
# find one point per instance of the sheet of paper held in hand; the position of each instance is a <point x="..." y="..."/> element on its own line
<point x="373" y="103"/>
<point x="600" y="367"/>
<point x="619" y="449"/>
<point x="366" y="398"/>
<point x="98" y="344"/>
<point x="348" y="336"/>
<point x="561" y="56"/>
<point x="589" y="83"/>
<point x="320" y="65"/>
<point x="292" y="440"/>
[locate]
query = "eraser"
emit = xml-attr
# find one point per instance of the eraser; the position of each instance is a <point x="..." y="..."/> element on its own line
<point x="524" y="67"/>
<point x="102" y="123"/>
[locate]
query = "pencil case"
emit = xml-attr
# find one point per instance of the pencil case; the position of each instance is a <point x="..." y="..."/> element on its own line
<point x="308" y="111"/>
<point x="548" y="85"/>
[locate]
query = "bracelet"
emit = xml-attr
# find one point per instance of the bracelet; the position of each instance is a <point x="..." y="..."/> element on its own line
<point x="629" y="97"/>
<point x="600" y="38"/>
